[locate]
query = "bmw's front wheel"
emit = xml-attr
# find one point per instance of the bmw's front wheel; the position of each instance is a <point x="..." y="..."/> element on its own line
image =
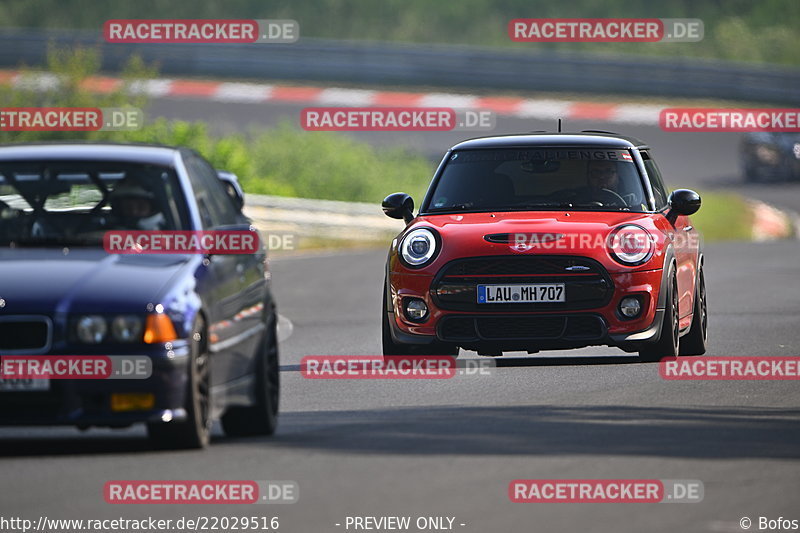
<point x="261" y="418"/>
<point x="195" y="431"/>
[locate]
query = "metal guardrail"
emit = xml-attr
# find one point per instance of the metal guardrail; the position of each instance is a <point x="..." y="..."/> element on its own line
<point x="365" y="222"/>
<point x="324" y="219"/>
<point x="379" y="63"/>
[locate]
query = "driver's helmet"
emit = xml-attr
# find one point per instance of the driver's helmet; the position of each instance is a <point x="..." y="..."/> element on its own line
<point x="136" y="207"/>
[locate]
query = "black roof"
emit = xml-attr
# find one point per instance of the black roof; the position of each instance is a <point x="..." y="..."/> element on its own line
<point x="583" y="139"/>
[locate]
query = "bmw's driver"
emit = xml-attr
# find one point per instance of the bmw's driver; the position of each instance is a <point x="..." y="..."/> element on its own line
<point x="135" y="207"/>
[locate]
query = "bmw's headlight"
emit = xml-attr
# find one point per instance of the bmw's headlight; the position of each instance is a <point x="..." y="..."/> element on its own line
<point x="91" y="329"/>
<point x="126" y="328"/>
<point x="418" y="247"/>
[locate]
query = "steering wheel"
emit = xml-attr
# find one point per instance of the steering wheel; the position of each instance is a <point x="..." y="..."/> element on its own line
<point x="616" y="199"/>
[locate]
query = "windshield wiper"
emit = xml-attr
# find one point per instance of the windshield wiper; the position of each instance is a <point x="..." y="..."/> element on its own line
<point x="455" y="207"/>
<point x="602" y="207"/>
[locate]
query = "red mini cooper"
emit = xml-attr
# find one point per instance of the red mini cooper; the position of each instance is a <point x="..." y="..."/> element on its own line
<point x="546" y="242"/>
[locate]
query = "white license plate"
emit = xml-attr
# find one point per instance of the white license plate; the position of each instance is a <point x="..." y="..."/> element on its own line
<point x="521" y="294"/>
<point x="23" y="384"/>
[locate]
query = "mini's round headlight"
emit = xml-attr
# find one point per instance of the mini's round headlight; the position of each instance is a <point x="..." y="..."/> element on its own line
<point x="91" y="329"/>
<point x="126" y="328"/>
<point x="631" y="245"/>
<point x="418" y="247"/>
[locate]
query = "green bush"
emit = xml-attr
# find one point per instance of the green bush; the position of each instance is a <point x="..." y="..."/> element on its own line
<point x="284" y="161"/>
<point x="724" y="216"/>
<point x="71" y="68"/>
<point x="289" y="162"/>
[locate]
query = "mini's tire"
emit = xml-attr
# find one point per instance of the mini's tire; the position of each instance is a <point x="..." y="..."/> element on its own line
<point x="669" y="340"/>
<point x="696" y="340"/>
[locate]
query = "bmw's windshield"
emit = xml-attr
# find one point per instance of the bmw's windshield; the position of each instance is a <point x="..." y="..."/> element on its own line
<point x="76" y="202"/>
<point x="520" y="179"/>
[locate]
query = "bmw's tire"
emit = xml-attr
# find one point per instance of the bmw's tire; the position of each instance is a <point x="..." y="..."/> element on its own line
<point x="390" y="347"/>
<point x="195" y="431"/>
<point x="260" y="418"/>
<point x="669" y="340"/>
<point x="694" y="342"/>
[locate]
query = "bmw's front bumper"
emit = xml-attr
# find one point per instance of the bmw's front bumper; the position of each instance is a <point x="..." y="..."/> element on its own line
<point x="87" y="402"/>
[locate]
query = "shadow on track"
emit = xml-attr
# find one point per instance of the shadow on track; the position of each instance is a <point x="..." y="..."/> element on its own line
<point x="129" y="441"/>
<point x="711" y="432"/>
<point x="610" y="430"/>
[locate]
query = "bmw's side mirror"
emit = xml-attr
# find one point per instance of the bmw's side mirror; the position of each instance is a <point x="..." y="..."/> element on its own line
<point x="232" y="187"/>
<point x="683" y="202"/>
<point x="399" y="205"/>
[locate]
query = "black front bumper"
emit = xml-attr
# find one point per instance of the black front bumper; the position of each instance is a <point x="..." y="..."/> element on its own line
<point x="87" y="402"/>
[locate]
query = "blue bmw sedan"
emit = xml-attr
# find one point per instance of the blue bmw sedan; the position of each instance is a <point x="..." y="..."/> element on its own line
<point x="206" y="321"/>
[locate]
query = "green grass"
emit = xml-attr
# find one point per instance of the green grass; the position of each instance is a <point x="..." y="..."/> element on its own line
<point x="723" y="217"/>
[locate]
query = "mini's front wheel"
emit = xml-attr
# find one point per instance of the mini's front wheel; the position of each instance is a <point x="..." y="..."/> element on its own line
<point x="668" y="342"/>
<point x="694" y="342"/>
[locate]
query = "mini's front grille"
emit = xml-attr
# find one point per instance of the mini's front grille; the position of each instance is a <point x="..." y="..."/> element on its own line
<point x="457" y="328"/>
<point x="587" y="284"/>
<point x="24" y="333"/>
<point x="527" y="265"/>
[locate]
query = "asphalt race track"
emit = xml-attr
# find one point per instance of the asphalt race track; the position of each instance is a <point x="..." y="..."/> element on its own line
<point x="451" y="447"/>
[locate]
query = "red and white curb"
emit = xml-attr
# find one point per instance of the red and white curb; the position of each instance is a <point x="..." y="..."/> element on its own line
<point x="538" y="108"/>
<point x="771" y="223"/>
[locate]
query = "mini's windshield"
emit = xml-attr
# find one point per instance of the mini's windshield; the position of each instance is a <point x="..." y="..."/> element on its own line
<point x="76" y="202"/>
<point x="515" y="179"/>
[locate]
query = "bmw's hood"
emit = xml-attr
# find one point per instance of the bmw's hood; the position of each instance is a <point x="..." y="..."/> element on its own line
<point x="83" y="280"/>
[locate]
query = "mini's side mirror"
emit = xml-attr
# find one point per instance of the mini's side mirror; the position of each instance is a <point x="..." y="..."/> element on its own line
<point x="683" y="202"/>
<point x="399" y="205"/>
